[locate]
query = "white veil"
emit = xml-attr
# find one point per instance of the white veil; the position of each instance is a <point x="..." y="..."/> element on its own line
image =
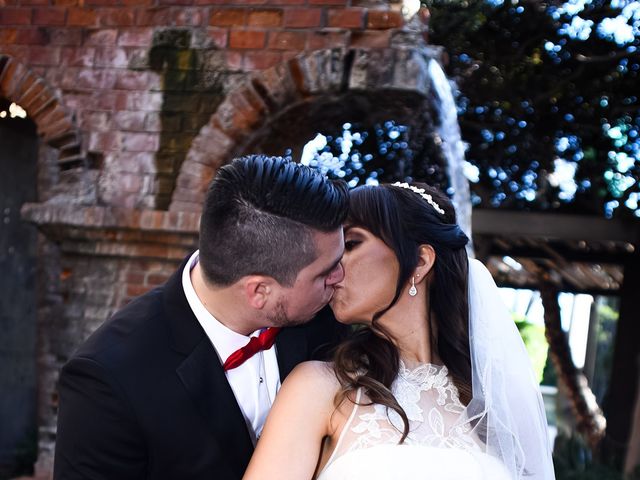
<point x="506" y="408"/>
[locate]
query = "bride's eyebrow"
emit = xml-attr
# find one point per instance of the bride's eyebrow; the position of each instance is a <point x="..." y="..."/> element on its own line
<point x="351" y="229"/>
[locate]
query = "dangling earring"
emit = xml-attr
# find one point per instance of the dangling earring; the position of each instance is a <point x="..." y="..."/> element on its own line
<point x="413" y="291"/>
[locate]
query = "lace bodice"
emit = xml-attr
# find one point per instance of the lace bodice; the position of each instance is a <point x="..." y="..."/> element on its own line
<point x="437" y="430"/>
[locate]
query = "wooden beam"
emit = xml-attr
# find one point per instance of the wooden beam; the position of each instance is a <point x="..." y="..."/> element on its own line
<point x="564" y="287"/>
<point x="495" y="248"/>
<point x="554" y="226"/>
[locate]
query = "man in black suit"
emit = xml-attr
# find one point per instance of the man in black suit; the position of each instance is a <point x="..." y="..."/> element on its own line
<point x="165" y="389"/>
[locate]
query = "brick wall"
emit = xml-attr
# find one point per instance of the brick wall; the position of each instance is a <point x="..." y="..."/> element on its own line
<point x="93" y="261"/>
<point x="139" y="78"/>
<point x="137" y="103"/>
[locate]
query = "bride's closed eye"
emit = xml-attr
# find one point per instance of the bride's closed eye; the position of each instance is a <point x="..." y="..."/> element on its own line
<point x="351" y="244"/>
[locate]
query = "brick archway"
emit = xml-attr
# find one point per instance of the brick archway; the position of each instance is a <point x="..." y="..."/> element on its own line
<point x="269" y="94"/>
<point x="55" y="124"/>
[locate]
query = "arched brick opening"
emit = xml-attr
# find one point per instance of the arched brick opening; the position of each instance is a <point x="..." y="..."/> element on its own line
<point x="56" y="175"/>
<point x="55" y="124"/>
<point x="296" y="99"/>
<point x="18" y="296"/>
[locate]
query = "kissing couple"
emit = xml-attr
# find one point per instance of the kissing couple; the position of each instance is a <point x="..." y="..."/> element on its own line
<point x="422" y="376"/>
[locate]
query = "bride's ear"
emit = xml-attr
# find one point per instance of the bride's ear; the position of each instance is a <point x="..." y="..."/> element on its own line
<point x="426" y="260"/>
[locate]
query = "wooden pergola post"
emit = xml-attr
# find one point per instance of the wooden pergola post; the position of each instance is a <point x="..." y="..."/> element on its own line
<point x="632" y="460"/>
<point x="545" y="243"/>
<point x="623" y="388"/>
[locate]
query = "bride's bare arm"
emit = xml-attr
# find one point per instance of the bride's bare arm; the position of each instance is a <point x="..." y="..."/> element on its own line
<point x="297" y="424"/>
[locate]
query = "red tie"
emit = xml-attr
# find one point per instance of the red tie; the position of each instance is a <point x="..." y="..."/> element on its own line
<point x="264" y="341"/>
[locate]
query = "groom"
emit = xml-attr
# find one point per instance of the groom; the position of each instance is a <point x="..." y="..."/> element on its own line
<point x="177" y="384"/>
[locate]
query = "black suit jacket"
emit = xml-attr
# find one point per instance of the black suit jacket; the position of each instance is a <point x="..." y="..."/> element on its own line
<point x="145" y="397"/>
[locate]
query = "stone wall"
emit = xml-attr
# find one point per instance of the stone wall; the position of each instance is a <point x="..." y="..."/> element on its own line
<point x="93" y="261"/>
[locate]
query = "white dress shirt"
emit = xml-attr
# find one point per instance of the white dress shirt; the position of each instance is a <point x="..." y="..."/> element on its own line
<point x="255" y="382"/>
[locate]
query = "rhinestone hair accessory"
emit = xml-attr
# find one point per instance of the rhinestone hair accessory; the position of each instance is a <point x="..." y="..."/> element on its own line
<point x="422" y="193"/>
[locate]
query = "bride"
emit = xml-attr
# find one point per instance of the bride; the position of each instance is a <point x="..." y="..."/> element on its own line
<point x="435" y="384"/>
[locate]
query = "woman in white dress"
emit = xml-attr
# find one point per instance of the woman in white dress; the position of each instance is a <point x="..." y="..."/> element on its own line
<point x="436" y="384"/>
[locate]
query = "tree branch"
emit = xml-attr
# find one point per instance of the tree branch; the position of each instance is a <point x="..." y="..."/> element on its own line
<point x="605" y="58"/>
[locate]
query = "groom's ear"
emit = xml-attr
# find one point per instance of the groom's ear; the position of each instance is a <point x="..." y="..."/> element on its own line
<point x="257" y="290"/>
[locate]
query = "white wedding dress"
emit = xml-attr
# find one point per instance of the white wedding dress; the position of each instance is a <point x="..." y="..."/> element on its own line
<point x="441" y="444"/>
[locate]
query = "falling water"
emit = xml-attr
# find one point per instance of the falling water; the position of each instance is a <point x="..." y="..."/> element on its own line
<point x="451" y="143"/>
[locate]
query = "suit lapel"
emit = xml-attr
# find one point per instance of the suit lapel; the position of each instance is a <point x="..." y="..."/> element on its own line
<point x="203" y="378"/>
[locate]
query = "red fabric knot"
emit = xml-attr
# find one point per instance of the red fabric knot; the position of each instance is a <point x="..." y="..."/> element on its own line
<point x="264" y="341"/>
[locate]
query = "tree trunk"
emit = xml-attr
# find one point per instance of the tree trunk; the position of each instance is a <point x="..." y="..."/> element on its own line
<point x="589" y="419"/>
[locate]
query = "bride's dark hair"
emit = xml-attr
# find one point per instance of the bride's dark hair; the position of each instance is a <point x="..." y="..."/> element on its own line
<point x="404" y="220"/>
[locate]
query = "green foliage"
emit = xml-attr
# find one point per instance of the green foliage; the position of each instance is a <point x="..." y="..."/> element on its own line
<point x="535" y="342"/>
<point x="383" y="152"/>
<point x="608" y="314"/>
<point x="543" y="84"/>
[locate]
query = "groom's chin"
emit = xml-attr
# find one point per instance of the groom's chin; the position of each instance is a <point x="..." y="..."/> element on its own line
<point x="286" y="321"/>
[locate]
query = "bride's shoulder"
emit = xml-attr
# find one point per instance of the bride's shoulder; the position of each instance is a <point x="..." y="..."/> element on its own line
<point x="314" y="371"/>
<point x="314" y="374"/>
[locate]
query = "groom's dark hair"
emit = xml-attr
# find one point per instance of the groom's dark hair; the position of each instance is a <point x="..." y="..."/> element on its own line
<point x="259" y="215"/>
